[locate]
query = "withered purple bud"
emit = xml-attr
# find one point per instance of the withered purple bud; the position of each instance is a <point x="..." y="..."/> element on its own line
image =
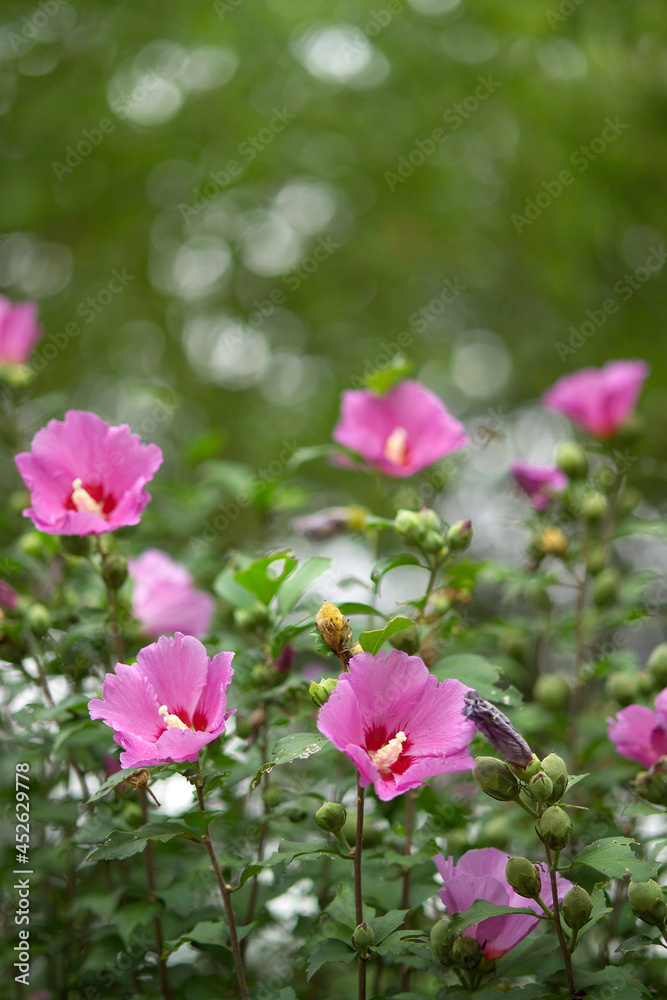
<point x="497" y="729"/>
<point x="284" y="660"/>
<point x="323" y="524"/>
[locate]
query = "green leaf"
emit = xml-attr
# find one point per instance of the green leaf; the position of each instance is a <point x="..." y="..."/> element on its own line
<point x="123" y="844"/>
<point x="225" y="586"/>
<point x="371" y="642"/>
<point x="613" y="856"/>
<point x="357" y="608"/>
<point x="481" y="909"/>
<point x="381" y="380"/>
<point x="329" y="950"/>
<point x="299" y="581"/>
<point x="342" y="908"/>
<point x="256" y="577"/>
<point x="574" y="779"/>
<point x="307" y="850"/>
<point x="387" y="924"/>
<point x="298" y="746"/>
<point x="637" y="942"/>
<point x="477" y="673"/>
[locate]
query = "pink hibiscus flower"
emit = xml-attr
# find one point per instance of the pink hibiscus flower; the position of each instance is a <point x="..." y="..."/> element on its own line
<point x="19" y="331"/>
<point x="400" y="433"/>
<point x="599" y="399"/>
<point x="86" y="477"/>
<point x="639" y="733"/>
<point x="165" y="598"/>
<point x="169" y="704"/>
<point x="480" y="874"/>
<point x="539" y="482"/>
<point x="396" y="723"/>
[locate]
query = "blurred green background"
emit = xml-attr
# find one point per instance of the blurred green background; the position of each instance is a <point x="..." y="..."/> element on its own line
<point x="230" y="211"/>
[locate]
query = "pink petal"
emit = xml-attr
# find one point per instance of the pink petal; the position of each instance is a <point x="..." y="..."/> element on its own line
<point x="631" y="731"/>
<point x="177" y="669"/>
<point x="128" y="702"/>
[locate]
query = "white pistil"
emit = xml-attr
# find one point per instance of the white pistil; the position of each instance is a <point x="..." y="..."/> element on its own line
<point x="173" y="721"/>
<point x="396" y="446"/>
<point x="83" y="501"/>
<point x="389" y="753"/>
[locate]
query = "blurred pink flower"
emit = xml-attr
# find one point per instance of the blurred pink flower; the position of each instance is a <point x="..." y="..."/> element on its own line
<point x="539" y="482"/>
<point x="639" y="733"/>
<point x="599" y="399"/>
<point x="8" y="596"/>
<point x="165" y="598"/>
<point x="396" y="723"/>
<point x="85" y="476"/>
<point x="167" y="705"/>
<point x="400" y="433"/>
<point x="19" y="331"/>
<point x="480" y="874"/>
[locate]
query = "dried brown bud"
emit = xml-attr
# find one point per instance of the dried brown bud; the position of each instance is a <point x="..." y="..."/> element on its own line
<point x="331" y="625"/>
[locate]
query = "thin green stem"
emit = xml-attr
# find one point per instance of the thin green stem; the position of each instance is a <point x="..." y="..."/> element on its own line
<point x="567" y="959"/>
<point x="549" y="912"/>
<point x="358" y="900"/>
<point x="225" y="892"/>
<point x="405" y="900"/>
<point x="112" y="605"/>
<point x="150" y="881"/>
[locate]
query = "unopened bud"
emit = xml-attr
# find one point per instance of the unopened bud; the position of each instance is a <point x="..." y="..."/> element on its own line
<point x="331" y="625"/>
<point x="466" y="952"/>
<point x="606" y="587"/>
<point x="576" y="907"/>
<point x="622" y="687"/>
<point x="541" y="788"/>
<point x="652" y="785"/>
<point x="552" y="691"/>
<point x="571" y="459"/>
<point x="532" y="768"/>
<point x="648" y="902"/>
<point x="243" y="730"/>
<point x="76" y="545"/>
<point x="433" y="542"/>
<point x="356" y="649"/>
<point x="408" y="525"/>
<point x="114" y="571"/>
<point x="553" y="542"/>
<point x="257" y="616"/>
<point x="459" y="535"/>
<point x="657" y="664"/>
<point x="38" y="619"/>
<point x="495" y="778"/>
<point x="272" y="796"/>
<point x="594" y="506"/>
<point x="497" y="729"/>
<point x="331" y="817"/>
<point x="555" y="768"/>
<point x="555" y="827"/>
<point x="628" y="500"/>
<point x="524" y="877"/>
<point x="440" y="940"/>
<point x="322" y="691"/>
<point x="363" y="937"/>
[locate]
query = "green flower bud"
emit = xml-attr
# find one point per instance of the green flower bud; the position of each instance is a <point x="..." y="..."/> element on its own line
<point x="596" y="559"/>
<point x="524" y="877"/>
<point x="272" y="796"/>
<point x="33" y="544"/>
<point x="538" y="595"/>
<point x="114" y="571"/>
<point x="628" y="500"/>
<point x="322" y="691"/>
<point x="433" y="542"/>
<point x="552" y="691"/>
<point x="440" y="942"/>
<point x="459" y="535"/>
<point x="576" y="908"/>
<point x="657" y="664"/>
<point x="495" y="778"/>
<point x="355" y="519"/>
<point x="76" y="545"/>
<point x="554" y="767"/>
<point x="296" y="815"/>
<point x="554" y="828"/>
<point x="541" y="787"/>
<point x="363" y="937"/>
<point x="594" y="506"/>
<point x="529" y="771"/>
<point x="622" y="687"/>
<point x="38" y="619"/>
<point x="606" y="587"/>
<point x="430" y="520"/>
<point x="408" y="524"/>
<point x="648" y="902"/>
<point x="571" y="459"/>
<point x="652" y="785"/>
<point x="632" y="428"/>
<point x="331" y="817"/>
<point x="466" y="952"/>
<point x="257" y="616"/>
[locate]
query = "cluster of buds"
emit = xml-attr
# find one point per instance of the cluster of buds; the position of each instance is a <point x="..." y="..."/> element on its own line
<point x="320" y="691"/>
<point x="424" y="529"/>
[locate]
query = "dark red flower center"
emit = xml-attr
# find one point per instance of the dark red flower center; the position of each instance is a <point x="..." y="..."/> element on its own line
<point x="91" y="497"/>
<point x="389" y="750"/>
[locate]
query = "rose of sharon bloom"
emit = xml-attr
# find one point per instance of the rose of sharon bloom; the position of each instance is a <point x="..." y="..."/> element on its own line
<point x="19" y="331"/>
<point x="599" y="399"/>
<point x="539" y="482"/>
<point x="86" y="477"/>
<point x="401" y="432"/>
<point x="169" y="704"/>
<point x="165" y="599"/>
<point x="639" y="733"/>
<point x="396" y="723"/>
<point x="480" y="874"/>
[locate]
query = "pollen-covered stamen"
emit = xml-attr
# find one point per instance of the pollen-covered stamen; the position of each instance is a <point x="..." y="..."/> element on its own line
<point x="389" y="753"/>
<point x="396" y="446"/>
<point x="173" y="721"/>
<point x="83" y="501"/>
